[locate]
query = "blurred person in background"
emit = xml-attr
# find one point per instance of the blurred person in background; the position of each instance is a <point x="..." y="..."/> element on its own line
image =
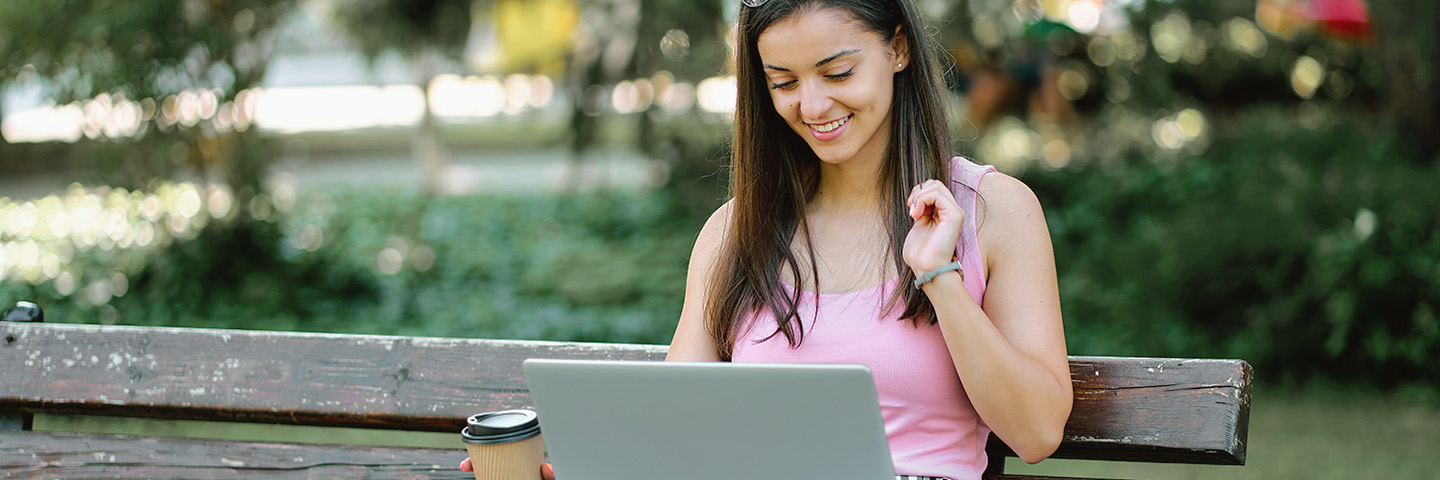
<point x="1020" y="74"/>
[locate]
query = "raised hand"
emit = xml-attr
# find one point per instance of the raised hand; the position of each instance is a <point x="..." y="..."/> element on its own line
<point x="931" y="241"/>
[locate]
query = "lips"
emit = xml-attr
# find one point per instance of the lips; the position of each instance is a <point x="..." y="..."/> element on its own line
<point x="829" y="130"/>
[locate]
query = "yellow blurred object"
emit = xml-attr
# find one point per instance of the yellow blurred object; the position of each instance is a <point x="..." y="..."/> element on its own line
<point x="534" y="35"/>
<point x="1280" y="17"/>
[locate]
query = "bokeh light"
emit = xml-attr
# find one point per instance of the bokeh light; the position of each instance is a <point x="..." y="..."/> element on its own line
<point x="1170" y="37"/>
<point x="46" y="239"/>
<point x="717" y="94"/>
<point x="1306" y="76"/>
<point x="1243" y="36"/>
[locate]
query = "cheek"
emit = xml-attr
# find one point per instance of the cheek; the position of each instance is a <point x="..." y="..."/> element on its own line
<point x="785" y="105"/>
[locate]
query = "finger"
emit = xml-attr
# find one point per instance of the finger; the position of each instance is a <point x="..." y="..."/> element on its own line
<point x="547" y="471"/>
<point x="937" y="203"/>
<point x="922" y="186"/>
<point x="465" y="465"/>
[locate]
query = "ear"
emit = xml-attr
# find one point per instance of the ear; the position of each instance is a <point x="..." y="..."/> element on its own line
<point x="899" y="49"/>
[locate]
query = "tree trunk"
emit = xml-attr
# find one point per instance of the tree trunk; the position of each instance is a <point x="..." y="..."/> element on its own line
<point x="1407" y="47"/>
<point x="426" y="146"/>
<point x="4" y="143"/>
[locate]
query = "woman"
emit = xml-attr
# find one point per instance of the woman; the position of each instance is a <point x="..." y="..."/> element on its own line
<point x="854" y="237"/>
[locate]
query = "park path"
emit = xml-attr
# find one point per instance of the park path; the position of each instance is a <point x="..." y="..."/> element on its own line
<point x="469" y="172"/>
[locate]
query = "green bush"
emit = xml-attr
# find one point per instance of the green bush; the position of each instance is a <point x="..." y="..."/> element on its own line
<point x="1310" y="253"/>
<point x="590" y="267"/>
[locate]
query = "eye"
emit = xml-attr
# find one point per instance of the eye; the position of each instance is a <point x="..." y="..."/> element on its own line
<point x="841" y="76"/>
<point x="782" y="86"/>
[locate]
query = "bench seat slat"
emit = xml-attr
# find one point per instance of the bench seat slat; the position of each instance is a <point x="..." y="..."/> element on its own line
<point x="1140" y="409"/>
<point x="68" y="455"/>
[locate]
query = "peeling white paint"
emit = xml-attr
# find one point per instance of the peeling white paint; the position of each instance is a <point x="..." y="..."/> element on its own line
<point x="197" y="391"/>
<point x="1125" y="439"/>
<point x="233" y="463"/>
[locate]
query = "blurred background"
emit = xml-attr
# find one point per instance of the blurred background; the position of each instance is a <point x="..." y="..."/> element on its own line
<point x="1250" y="179"/>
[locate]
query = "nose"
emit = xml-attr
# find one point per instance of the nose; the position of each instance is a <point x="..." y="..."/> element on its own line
<point x="814" y="102"/>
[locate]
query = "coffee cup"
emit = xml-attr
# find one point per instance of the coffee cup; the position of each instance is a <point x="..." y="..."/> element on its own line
<point x="504" y="445"/>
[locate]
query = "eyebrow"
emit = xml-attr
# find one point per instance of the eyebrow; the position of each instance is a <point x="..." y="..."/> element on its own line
<point x="817" y="64"/>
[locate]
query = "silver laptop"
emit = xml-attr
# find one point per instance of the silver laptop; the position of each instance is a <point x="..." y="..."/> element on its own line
<point x="709" y="421"/>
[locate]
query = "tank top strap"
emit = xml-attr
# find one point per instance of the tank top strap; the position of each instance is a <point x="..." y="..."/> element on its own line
<point x="965" y="178"/>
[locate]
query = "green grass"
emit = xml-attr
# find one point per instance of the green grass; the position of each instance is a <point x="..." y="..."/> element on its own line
<point x="1305" y="434"/>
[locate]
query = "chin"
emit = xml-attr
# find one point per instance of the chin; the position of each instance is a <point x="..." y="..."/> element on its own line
<point x="833" y="156"/>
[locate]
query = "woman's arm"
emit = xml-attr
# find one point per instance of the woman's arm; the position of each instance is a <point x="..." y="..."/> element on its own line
<point x="1011" y="355"/>
<point x="692" y="341"/>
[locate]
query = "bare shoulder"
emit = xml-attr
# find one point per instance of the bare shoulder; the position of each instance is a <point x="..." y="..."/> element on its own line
<point x="1009" y="214"/>
<point x="692" y="340"/>
<point x="1006" y="199"/>
<point x="712" y="235"/>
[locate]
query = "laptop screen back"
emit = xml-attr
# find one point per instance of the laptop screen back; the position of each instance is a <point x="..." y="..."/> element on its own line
<point x="709" y="421"/>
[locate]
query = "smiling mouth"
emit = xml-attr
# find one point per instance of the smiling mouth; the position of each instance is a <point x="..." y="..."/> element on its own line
<point x="831" y="126"/>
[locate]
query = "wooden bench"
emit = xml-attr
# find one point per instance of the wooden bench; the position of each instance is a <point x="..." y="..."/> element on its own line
<point x="1130" y="409"/>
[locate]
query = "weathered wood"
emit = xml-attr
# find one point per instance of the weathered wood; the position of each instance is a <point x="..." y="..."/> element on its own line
<point x="1161" y="410"/>
<point x="295" y="378"/>
<point x="68" y="455"/>
<point x="1136" y="409"/>
<point x="20" y="312"/>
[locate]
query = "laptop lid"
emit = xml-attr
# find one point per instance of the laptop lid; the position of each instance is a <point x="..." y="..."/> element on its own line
<point x="605" y="420"/>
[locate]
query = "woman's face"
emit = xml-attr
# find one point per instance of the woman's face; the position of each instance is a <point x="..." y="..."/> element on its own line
<point x="832" y="81"/>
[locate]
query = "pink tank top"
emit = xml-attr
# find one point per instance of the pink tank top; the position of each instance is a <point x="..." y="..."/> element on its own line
<point x="932" y="427"/>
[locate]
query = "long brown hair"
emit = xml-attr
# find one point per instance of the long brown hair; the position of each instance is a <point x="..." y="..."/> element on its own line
<point x="774" y="173"/>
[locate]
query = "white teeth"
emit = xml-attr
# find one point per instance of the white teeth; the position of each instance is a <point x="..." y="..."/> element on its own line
<point x="828" y="127"/>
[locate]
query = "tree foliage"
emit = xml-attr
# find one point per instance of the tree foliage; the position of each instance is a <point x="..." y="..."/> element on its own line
<point x="157" y="56"/>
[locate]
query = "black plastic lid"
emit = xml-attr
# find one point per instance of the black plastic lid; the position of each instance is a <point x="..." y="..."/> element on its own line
<point x="501" y="427"/>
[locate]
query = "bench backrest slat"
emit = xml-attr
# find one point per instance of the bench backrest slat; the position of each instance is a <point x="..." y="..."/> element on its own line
<point x="1142" y="409"/>
<point x="273" y="377"/>
<point x="1156" y="410"/>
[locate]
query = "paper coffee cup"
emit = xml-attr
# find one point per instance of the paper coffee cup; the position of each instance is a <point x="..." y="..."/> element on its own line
<point x="504" y="445"/>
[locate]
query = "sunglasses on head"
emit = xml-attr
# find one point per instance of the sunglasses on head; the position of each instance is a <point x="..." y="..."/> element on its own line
<point x="753" y="3"/>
